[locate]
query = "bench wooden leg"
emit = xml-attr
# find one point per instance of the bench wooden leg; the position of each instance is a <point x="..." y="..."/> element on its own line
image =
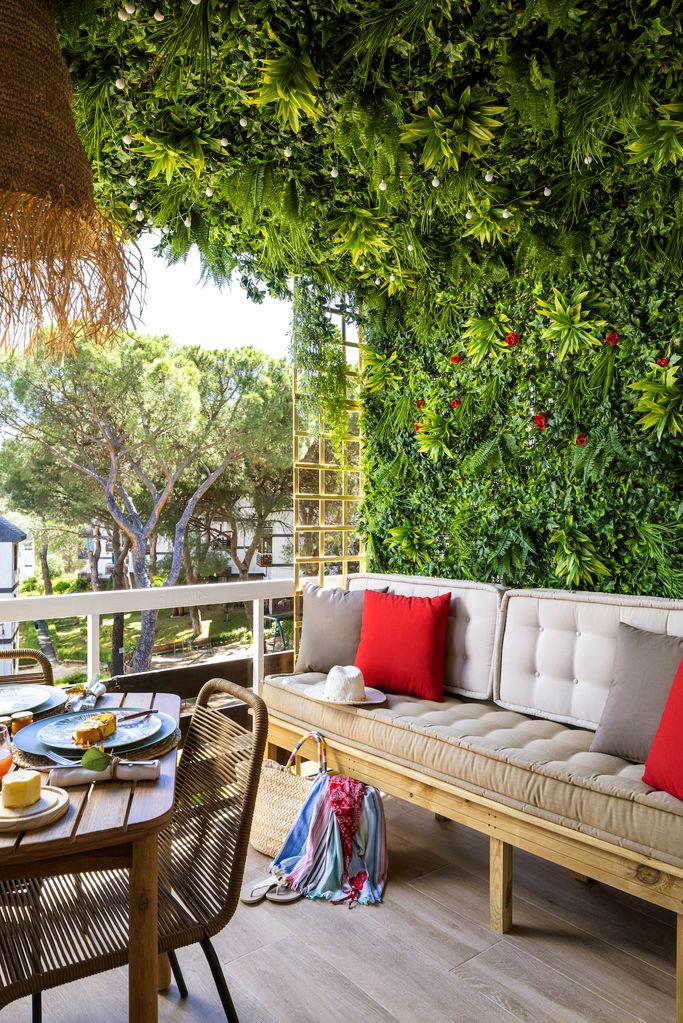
<point x="270" y="751"/>
<point x="679" y="968"/>
<point x="583" y="878"/>
<point x="500" y="886"/>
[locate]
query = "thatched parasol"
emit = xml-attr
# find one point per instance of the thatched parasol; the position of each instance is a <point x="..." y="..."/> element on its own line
<point x="64" y="272"/>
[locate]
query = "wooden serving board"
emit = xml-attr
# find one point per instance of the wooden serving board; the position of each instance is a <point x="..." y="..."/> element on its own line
<point x="53" y="804"/>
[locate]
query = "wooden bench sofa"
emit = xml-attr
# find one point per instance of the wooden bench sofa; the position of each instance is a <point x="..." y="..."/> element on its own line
<point x="527" y="674"/>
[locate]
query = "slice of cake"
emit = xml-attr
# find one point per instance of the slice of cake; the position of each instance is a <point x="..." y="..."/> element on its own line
<point x="95" y="728"/>
<point x="20" y="789"/>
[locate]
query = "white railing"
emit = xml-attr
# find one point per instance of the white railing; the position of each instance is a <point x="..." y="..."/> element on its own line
<point x="94" y="605"/>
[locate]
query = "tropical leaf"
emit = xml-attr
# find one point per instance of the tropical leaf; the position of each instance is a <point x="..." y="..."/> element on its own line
<point x="576" y="560"/>
<point x="575" y="321"/>
<point x="660" y="138"/>
<point x="485" y="336"/>
<point x="291" y="83"/>
<point x="461" y="126"/>
<point x="661" y="402"/>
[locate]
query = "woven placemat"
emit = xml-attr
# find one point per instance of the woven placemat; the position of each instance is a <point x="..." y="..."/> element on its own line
<point x="29" y="760"/>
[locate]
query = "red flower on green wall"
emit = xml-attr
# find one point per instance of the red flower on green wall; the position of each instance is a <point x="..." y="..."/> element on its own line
<point x="541" y="420"/>
<point x="612" y="338"/>
<point x="581" y="440"/>
<point x="418" y="427"/>
<point x="456" y="403"/>
<point x="511" y="339"/>
<point x="455" y="359"/>
<point x="663" y="362"/>
<point x="420" y="402"/>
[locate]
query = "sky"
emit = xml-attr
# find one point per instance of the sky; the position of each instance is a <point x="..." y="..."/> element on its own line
<point x="194" y="313"/>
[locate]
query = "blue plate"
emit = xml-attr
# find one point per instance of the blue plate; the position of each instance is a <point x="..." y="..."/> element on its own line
<point x="27" y="738"/>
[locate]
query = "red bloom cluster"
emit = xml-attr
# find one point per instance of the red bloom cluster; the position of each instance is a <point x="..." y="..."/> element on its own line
<point x="456" y="403"/>
<point x="511" y="339"/>
<point x="455" y="359"/>
<point x="582" y="440"/>
<point x="541" y="420"/>
<point x="418" y="427"/>
<point x="612" y="337"/>
<point x="420" y="402"/>
<point x="663" y="362"/>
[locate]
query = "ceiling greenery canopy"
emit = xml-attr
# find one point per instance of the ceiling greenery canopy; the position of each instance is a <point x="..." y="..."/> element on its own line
<point x="408" y="147"/>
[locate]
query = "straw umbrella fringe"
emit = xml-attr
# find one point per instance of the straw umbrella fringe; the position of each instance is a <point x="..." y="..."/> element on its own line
<point x="64" y="270"/>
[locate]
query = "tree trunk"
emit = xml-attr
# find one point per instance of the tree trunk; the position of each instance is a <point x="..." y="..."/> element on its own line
<point x="142" y="658"/>
<point x="117" y="581"/>
<point x="153" y="555"/>
<point x="191" y="579"/>
<point x="44" y="567"/>
<point x="94" y="561"/>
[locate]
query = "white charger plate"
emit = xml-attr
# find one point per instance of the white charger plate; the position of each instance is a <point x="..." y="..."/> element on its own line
<point x="24" y="696"/>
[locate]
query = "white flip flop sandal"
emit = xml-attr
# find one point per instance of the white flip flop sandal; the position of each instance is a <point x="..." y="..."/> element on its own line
<point x="254" y="892"/>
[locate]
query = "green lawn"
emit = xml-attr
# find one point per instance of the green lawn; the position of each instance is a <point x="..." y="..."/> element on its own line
<point x="69" y="634"/>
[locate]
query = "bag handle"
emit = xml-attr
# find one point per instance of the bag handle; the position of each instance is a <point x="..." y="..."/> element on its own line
<point x="322" y="750"/>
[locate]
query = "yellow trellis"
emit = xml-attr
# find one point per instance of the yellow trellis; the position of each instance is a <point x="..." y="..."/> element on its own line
<point x="327" y="492"/>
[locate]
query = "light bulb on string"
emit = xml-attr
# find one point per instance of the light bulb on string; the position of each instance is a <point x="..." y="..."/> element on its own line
<point x="188" y="221"/>
<point x="196" y="2"/>
<point x="362" y="267"/>
<point x="410" y="247"/>
<point x="208" y="191"/>
<point x="133" y="205"/>
<point x="132" y="181"/>
<point x="243" y="121"/>
<point x="334" y="173"/>
<point x="377" y="281"/>
<point x="547" y="191"/>
<point x="120" y="84"/>
<point x="506" y="214"/>
<point x="488" y="176"/>
<point x="158" y="16"/>
<point x="435" y="182"/>
<point x="139" y="215"/>
<point x="288" y="151"/>
<point x="223" y="143"/>
<point x="468" y="215"/>
<point x="392" y="277"/>
<point x="129" y="7"/>
<point x="127" y="139"/>
<point x="123" y="16"/>
<point x="383" y="185"/>
<point x="588" y="160"/>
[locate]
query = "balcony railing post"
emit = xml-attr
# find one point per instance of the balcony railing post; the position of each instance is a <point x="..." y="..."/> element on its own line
<point x="257" y="644"/>
<point x="93" y="647"/>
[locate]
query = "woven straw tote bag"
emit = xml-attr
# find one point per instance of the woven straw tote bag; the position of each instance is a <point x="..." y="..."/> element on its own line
<point x="281" y="794"/>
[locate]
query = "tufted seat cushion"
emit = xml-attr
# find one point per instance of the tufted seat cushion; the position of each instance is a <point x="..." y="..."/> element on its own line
<point x="536" y="765"/>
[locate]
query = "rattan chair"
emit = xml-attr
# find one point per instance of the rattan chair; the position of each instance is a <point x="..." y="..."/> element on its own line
<point x="55" y="930"/>
<point x="40" y="675"/>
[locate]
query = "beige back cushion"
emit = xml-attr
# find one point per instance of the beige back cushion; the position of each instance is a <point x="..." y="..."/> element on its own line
<point x="472" y="622"/>
<point x="556" y="650"/>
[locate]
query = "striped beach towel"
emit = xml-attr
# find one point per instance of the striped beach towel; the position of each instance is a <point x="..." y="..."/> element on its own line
<point x="337" y="848"/>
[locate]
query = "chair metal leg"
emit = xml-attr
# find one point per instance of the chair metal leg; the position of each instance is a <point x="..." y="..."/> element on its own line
<point x="219" y="980"/>
<point x="37" y="1008"/>
<point x="177" y="974"/>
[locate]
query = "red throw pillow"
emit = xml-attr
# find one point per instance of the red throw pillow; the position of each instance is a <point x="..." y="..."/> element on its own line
<point x="664" y="764"/>
<point x="402" y="642"/>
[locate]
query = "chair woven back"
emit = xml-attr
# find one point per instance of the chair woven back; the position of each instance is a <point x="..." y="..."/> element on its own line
<point x="204" y="848"/>
<point x="41" y="674"/>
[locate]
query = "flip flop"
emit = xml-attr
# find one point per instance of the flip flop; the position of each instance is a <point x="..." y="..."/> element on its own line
<point x="283" y="893"/>
<point x="254" y="892"/>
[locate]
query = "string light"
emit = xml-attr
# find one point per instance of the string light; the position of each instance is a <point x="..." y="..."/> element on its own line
<point x="435" y="182"/>
<point x="334" y="173"/>
<point x="362" y="267"/>
<point x="196" y="2"/>
<point x="127" y="139"/>
<point x="132" y="181"/>
<point x="122" y="15"/>
<point x="588" y="160"/>
<point x="377" y="281"/>
<point x="410" y="248"/>
<point x="139" y="215"/>
<point x="224" y="142"/>
<point x="133" y="205"/>
<point x="208" y="191"/>
<point x="288" y="152"/>
<point x="120" y="84"/>
<point x="468" y="215"/>
<point x="129" y="7"/>
<point x="547" y="191"/>
<point x="488" y="176"/>
<point x="392" y="277"/>
<point x="506" y="214"/>
<point x="158" y="16"/>
<point x="187" y="221"/>
<point x="383" y="185"/>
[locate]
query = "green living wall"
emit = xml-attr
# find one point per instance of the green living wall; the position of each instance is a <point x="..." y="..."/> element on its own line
<point x="458" y="173"/>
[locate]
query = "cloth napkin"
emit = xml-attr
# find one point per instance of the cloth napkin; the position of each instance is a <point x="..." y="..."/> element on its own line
<point x="64" y="777"/>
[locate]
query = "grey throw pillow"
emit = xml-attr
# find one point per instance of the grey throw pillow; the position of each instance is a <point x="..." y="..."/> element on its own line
<point x="644" y="670"/>
<point x="330" y="632"/>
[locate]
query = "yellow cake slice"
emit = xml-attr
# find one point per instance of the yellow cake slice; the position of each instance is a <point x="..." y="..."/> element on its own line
<point x="95" y="728"/>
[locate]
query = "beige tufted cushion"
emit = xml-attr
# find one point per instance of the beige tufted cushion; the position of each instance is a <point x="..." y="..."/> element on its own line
<point x="541" y="767"/>
<point x="556" y="649"/>
<point x="473" y="617"/>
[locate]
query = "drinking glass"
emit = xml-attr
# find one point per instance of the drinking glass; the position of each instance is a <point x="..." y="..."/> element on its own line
<point x="5" y="751"/>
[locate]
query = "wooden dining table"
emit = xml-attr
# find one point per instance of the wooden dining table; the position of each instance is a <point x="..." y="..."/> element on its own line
<point x="109" y="826"/>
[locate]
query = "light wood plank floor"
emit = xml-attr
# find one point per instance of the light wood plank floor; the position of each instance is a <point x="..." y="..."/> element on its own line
<point x="577" y="953"/>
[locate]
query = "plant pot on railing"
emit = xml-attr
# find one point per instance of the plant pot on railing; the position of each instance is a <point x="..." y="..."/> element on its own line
<point x="264" y="560"/>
